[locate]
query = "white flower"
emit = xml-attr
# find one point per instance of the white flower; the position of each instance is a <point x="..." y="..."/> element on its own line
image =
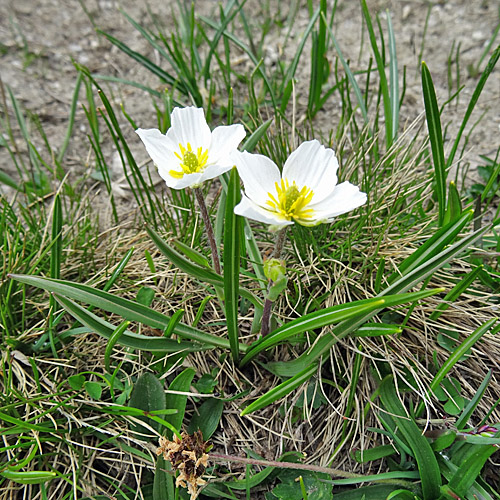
<point x="306" y="192"/>
<point x="189" y="153"/>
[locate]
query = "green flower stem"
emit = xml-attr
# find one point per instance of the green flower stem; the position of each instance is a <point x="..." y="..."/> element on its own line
<point x="268" y="304"/>
<point x="209" y="228"/>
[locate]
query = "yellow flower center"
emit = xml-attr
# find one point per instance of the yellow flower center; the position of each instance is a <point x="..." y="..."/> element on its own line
<point x="292" y="202"/>
<point x="191" y="162"/>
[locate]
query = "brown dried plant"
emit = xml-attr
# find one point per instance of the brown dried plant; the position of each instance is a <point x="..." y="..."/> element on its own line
<point x="187" y="455"/>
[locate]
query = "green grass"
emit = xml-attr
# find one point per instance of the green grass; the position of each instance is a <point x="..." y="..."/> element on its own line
<point x="386" y="323"/>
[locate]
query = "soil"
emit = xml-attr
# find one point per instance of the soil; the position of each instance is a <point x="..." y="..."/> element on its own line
<point x="40" y="39"/>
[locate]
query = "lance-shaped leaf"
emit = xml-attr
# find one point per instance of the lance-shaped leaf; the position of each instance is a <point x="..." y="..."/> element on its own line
<point x="231" y="258"/>
<point x="335" y="314"/>
<point x="127" y="309"/>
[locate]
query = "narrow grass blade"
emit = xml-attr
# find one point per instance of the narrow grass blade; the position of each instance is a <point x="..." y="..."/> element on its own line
<point x="405" y="282"/>
<point x="147" y="63"/>
<point x="71" y="119"/>
<point x="231" y="258"/>
<point x="9" y="181"/>
<point x="436" y="139"/>
<point x="428" y="467"/>
<point x="443" y="237"/>
<point x="196" y="271"/>
<point x="463" y="419"/>
<point x="55" y="261"/>
<point x="256" y="136"/>
<point x="192" y="254"/>
<point x="393" y="78"/>
<point x="376" y="330"/>
<point x="473" y="100"/>
<point x="454" y="208"/>
<point x="115" y="336"/>
<point x="389" y="126"/>
<point x="248" y="51"/>
<point x="455" y="292"/>
<point x="455" y="357"/>
<point x="28" y="477"/>
<point x="281" y="390"/>
<point x="201" y="273"/>
<point x="350" y="76"/>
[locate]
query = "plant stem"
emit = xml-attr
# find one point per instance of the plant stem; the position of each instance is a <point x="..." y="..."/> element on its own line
<point x="220" y="457"/>
<point x="268" y="304"/>
<point x="209" y="228"/>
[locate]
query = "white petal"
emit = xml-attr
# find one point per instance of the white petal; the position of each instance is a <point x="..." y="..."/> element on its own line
<point x="247" y="208"/>
<point x="189" y="125"/>
<point x="160" y="148"/>
<point x="345" y="197"/>
<point x="213" y="171"/>
<point x="314" y="166"/>
<point x="187" y="180"/>
<point x="259" y="175"/>
<point x="225" y="139"/>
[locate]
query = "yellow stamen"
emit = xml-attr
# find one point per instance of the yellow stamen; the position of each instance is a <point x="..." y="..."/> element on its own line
<point x="190" y="162"/>
<point x="292" y="202"/>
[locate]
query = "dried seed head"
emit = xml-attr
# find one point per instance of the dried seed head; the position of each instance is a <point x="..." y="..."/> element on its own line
<point x="188" y="456"/>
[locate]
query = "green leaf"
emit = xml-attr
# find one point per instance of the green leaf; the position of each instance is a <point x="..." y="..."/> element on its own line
<point x="207" y="417"/>
<point x="163" y="484"/>
<point x="256" y="136"/>
<point x="347" y="326"/>
<point x="375" y="492"/>
<point x="427" y="464"/>
<point x="350" y="76"/>
<point x="192" y="254"/>
<point x="437" y="242"/>
<point x="445" y="440"/>
<point x="199" y="272"/>
<point x="281" y="390"/>
<point x="467" y="473"/>
<point x="76" y="382"/>
<point x="311" y="321"/>
<point x="231" y="258"/>
<point x="9" y="181"/>
<point x="145" y="296"/>
<point x="127" y="338"/>
<point x="376" y="330"/>
<point x="389" y="126"/>
<point x="196" y="271"/>
<point x="455" y="356"/>
<point x="28" y="477"/>
<point x="393" y="78"/>
<point x="181" y="383"/>
<point x="454" y="209"/>
<point x="456" y="291"/>
<point x="94" y="390"/>
<point x="462" y="421"/>
<point x="147" y="395"/>
<point x="436" y="140"/>
<point x="364" y="456"/>
<point x="472" y="104"/>
<point x="129" y="310"/>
